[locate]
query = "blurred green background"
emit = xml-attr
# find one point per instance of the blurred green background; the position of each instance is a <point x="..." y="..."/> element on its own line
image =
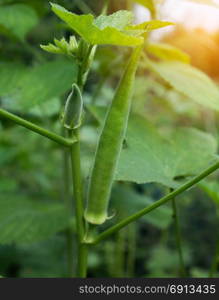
<point x="33" y="217"/>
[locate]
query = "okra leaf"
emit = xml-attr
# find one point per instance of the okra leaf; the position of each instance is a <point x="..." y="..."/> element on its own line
<point x="147" y="156"/>
<point x="167" y="52"/>
<point x="115" y="29"/>
<point x="35" y="85"/>
<point x="11" y="74"/>
<point x="103" y="30"/>
<point x="149" y="25"/>
<point x="211" y="188"/>
<point x="17" y="19"/>
<point x="118" y="20"/>
<point x="189" y="81"/>
<point x="125" y="201"/>
<point x="27" y="221"/>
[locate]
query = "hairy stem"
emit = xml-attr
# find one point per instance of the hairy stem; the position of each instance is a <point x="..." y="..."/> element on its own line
<point x="41" y="131"/>
<point x="178" y="238"/>
<point x="158" y="203"/>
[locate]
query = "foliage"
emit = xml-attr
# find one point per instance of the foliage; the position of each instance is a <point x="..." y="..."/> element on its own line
<point x="171" y="137"/>
<point x="17" y="20"/>
<point x="189" y="81"/>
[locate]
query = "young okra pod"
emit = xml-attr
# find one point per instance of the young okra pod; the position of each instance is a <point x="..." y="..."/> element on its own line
<point x="110" y="145"/>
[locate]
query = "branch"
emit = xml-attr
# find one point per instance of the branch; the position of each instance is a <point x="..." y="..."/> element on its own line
<point x="41" y="131"/>
<point x="139" y="214"/>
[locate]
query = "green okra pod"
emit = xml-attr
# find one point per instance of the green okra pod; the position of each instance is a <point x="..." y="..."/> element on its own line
<point x="110" y="145"/>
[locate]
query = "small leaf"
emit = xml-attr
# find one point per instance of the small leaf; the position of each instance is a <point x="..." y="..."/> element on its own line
<point x="189" y="81"/>
<point x="51" y="48"/>
<point x="62" y="46"/>
<point x="167" y="52"/>
<point x="19" y="19"/>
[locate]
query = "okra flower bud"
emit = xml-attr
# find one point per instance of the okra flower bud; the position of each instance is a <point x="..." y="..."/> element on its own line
<point x="73" y="111"/>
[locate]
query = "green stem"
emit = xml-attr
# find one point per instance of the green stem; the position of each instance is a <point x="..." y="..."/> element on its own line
<point x="158" y="203"/>
<point x="42" y="131"/>
<point x="79" y="206"/>
<point x="68" y="204"/>
<point x="105" y="7"/>
<point x="178" y="238"/>
<point x="82" y="260"/>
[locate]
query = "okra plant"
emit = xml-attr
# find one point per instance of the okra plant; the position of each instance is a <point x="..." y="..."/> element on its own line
<point x="127" y="149"/>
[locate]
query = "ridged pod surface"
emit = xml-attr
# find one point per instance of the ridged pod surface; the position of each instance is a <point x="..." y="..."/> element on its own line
<point x="110" y="145"/>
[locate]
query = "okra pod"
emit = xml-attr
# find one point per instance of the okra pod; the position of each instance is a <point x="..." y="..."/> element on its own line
<point x="110" y="145"/>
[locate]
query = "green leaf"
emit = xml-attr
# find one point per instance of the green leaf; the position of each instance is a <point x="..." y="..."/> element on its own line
<point x="211" y="188"/>
<point x="38" y="84"/>
<point x="167" y="52"/>
<point x="19" y="19"/>
<point x="11" y="73"/>
<point x="26" y="221"/>
<point x="103" y="30"/>
<point x="62" y="46"/>
<point x="126" y="202"/>
<point x="189" y="81"/>
<point x="149" y="25"/>
<point x="149" y="157"/>
<point x="118" y="20"/>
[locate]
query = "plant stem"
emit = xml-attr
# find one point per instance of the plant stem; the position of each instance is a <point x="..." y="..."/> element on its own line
<point x="178" y="238"/>
<point x="68" y="204"/>
<point x="79" y="206"/>
<point x="35" y="128"/>
<point x="82" y="260"/>
<point x="158" y="203"/>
